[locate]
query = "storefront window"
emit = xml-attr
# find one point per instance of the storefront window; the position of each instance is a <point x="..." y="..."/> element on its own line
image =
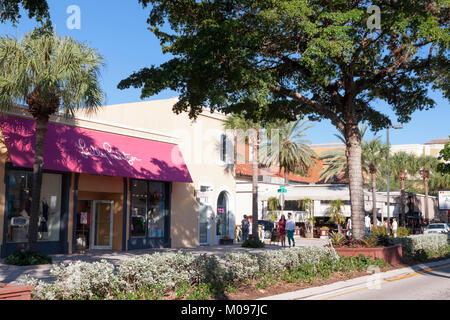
<point x="19" y="205"/>
<point x="147" y="209"/>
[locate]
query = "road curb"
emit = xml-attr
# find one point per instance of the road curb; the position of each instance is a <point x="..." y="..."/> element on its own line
<point x="354" y="283"/>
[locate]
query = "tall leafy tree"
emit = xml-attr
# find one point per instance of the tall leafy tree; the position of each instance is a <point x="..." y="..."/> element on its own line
<point x="321" y="58"/>
<point x="292" y="153"/>
<point x="10" y="10"/>
<point x="49" y="74"/>
<point x="249" y="130"/>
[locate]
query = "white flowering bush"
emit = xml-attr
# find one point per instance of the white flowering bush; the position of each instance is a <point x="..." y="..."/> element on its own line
<point x="166" y="269"/>
<point x="247" y="265"/>
<point x="78" y="280"/>
<point x="102" y="280"/>
<point x="412" y="244"/>
<point x="240" y="266"/>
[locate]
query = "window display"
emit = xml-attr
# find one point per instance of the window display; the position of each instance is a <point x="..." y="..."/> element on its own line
<point x="19" y="205"/>
<point x="147" y="209"/>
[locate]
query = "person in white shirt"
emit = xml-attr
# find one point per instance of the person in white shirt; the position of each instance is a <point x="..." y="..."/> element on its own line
<point x="394" y="227"/>
<point x="290" y="229"/>
<point x="367" y="224"/>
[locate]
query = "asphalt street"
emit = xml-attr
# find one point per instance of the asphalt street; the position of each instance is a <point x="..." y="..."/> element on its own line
<point x="427" y="284"/>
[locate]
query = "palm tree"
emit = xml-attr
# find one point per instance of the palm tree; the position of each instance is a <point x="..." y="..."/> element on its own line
<point x="239" y="123"/>
<point x="373" y="155"/>
<point x="399" y="165"/>
<point x="336" y="215"/>
<point x="292" y="153"/>
<point x="49" y="74"/>
<point x="336" y="159"/>
<point x="425" y="166"/>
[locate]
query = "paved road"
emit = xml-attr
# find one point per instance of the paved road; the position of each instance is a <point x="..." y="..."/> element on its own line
<point x="427" y="284"/>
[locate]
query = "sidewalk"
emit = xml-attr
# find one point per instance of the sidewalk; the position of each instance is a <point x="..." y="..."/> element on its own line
<point x="369" y="281"/>
<point x="10" y="274"/>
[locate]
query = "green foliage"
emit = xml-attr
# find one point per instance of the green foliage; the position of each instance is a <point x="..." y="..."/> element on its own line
<point x="444" y="155"/>
<point x="10" y="9"/>
<point x="253" y="243"/>
<point x="336" y="215"/>
<point x="200" y="292"/>
<point x="293" y="153"/>
<point x="27" y="258"/>
<point x="403" y="232"/>
<point x="336" y="238"/>
<point x="283" y="59"/>
<point x="273" y="203"/>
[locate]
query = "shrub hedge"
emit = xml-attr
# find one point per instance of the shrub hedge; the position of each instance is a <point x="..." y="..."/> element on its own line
<point x="189" y="276"/>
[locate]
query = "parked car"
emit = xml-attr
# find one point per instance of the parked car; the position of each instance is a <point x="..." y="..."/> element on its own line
<point x="268" y="227"/>
<point x="436" y="228"/>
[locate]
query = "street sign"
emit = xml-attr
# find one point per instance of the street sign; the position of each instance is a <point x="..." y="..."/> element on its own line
<point x="282" y="189"/>
<point x="444" y="200"/>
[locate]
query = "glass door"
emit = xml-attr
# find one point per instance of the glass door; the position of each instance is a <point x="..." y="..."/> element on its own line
<point x="102" y="225"/>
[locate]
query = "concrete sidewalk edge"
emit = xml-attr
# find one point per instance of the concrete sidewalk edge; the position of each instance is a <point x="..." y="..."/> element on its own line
<point x="351" y="283"/>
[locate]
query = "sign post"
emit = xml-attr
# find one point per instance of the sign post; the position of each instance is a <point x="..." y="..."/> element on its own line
<point x="281" y="193"/>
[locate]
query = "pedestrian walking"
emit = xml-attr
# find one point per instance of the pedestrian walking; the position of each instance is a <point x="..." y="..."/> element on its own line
<point x="290" y="229"/>
<point x="367" y="224"/>
<point x="394" y="227"/>
<point x="282" y="230"/>
<point x="245" y="228"/>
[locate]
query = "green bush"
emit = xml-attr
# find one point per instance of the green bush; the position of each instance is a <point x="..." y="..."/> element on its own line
<point x="403" y="232"/>
<point x="336" y="238"/>
<point x="253" y="243"/>
<point x="414" y="243"/>
<point x="27" y="258"/>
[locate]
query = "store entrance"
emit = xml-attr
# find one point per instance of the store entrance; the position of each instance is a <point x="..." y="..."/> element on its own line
<point x="102" y="224"/>
<point x="94" y="224"/>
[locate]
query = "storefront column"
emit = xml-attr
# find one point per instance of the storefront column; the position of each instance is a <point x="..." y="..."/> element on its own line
<point x="125" y="215"/>
<point x="73" y="213"/>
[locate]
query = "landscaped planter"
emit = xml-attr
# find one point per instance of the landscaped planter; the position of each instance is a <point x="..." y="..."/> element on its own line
<point x="226" y="241"/>
<point x="392" y="254"/>
<point x="15" y="292"/>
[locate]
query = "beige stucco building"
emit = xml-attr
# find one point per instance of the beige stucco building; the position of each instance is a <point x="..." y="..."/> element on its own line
<point x="130" y="176"/>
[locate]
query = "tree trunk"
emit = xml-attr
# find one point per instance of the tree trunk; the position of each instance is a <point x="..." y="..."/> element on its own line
<point x="402" y="202"/>
<point x="374" y="199"/>
<point x="339" y="226"/>
<point x="425" y="183"/>
<point x="353" y="151"/>
<point x="41" y="132"/>
<point x="255" y="165"/>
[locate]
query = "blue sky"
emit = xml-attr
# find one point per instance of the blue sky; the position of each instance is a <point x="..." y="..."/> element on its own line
<point x="119" y="31"/>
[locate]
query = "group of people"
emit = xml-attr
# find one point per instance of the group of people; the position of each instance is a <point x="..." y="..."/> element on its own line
<point x="286" y="227"/>
<point x="368" y="225"/>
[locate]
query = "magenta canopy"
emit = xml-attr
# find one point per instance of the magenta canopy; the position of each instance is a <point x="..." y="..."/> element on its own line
<point x="80" y="150"/>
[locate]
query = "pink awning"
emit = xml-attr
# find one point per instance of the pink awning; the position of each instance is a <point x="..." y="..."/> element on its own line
<point x="82" y="150"/>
